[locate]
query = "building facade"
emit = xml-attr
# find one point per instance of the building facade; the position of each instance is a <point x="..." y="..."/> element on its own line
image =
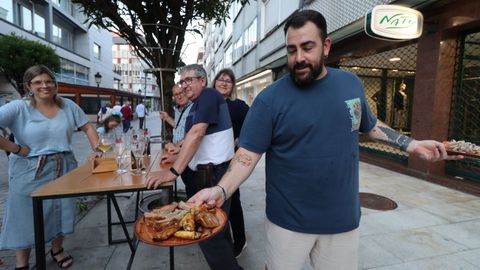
<point x="135" y="77"/>
<point x="427" y="87"/>
<point x="59" y="24"/>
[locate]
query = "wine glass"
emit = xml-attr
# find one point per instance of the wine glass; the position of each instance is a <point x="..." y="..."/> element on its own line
<point x="119" y="149"/>
<point x="106" y="142"/>
<point x="138" y="148"/>
<point x="146" y="137"/>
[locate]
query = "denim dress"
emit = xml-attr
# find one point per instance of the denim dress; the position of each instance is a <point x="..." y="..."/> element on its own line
<point x="50" y="157"/>
<point x="26" y="175"/>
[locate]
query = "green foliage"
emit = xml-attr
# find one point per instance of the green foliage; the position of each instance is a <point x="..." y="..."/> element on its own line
<point x="82" y="205"/>
<point x="18" y="54"/>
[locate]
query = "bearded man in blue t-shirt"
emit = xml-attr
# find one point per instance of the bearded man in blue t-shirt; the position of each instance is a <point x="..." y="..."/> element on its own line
<point x="204" y="156"/>
<point x="308" y="124"/>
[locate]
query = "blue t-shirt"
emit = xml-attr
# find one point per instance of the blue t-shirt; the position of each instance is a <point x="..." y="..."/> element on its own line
<point x="217" y="145"/>
<point x="43" y="135"/>
<point x="310" y="136"/>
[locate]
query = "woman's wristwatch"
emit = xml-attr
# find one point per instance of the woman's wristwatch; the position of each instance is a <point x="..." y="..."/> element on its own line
<point x="174" y="172"/>
<point x="18" y="149"/>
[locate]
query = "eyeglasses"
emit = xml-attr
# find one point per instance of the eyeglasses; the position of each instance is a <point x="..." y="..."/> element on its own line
<point x="224" y="81"/>
<point x="40" y="83"/>
<point x="179" y="94"/>
<point x="188" y="80"/>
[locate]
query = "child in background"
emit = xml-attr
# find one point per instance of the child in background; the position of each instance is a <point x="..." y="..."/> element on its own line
<point x="110" y="123"/>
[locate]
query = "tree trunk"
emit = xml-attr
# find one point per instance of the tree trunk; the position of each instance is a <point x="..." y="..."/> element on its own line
<point x="168" y="79"/>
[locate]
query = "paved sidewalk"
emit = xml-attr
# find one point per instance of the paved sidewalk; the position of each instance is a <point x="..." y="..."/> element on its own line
<point x="433" y="228"/>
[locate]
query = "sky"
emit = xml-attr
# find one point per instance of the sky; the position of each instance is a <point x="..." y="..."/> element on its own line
<point x="190" y="48"/>
<point x="192" y="42"/>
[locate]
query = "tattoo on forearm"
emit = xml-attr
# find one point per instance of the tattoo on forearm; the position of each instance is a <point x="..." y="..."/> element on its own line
<point x="395" y="138"/>
<point x="244" y="159"/>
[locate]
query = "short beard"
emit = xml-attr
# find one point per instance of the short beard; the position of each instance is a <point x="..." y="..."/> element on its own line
<point x="311" y="76"/>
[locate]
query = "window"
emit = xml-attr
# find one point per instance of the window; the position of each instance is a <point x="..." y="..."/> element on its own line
<point x="220" y="66"/>
<point x="273" y="12"/>
<point x="218" y="33"/>
<point x="237" y="49"/>
<point x="81" y="73"/>
<point x="62" y="37"/>
<point x="217" y="69"/>
<point x="250" y="36"/>
<point x="65" y="5"/>
<point x="26" y="19"/>
<point x="96" y="51"/>
<point x="213" y="72"/>
<point x="39" y="25"/>
<point x="271" y="16"/>
<point x="235" y="9"/>
<point x="208" y="59"/>
<point x="67" y="71"/>
<point x="229" y="24"/>
<point x="71" y="72"/>
<point x="6" y="10"/>
<point x="228" y="56"/>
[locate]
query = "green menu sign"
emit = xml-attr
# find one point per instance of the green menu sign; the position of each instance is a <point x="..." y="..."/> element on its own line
<point x="392" y="22"/>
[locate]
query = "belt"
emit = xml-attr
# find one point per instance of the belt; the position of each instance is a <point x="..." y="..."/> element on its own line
<point x="58" y="157"/>
<point x="224" y="164"/>
<point x="211" y="165"/>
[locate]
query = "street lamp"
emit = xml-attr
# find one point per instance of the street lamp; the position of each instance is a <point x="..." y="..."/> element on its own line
<point x="98" y="79"/>
<point x="140" y="94"/>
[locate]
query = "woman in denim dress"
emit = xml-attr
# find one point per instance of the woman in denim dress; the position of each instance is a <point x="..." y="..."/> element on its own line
<point x="43" y="126"/>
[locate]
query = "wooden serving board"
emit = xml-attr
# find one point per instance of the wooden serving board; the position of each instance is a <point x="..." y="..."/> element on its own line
<point x="450" y="152"/>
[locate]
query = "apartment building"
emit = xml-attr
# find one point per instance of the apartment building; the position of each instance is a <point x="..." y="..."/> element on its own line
<point x="59" y="24"/>
<point x="135" y="77"/>
<point x="427" y="87"/>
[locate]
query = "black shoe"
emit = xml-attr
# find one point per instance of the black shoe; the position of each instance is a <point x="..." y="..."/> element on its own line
<point x="238" y="249"/>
